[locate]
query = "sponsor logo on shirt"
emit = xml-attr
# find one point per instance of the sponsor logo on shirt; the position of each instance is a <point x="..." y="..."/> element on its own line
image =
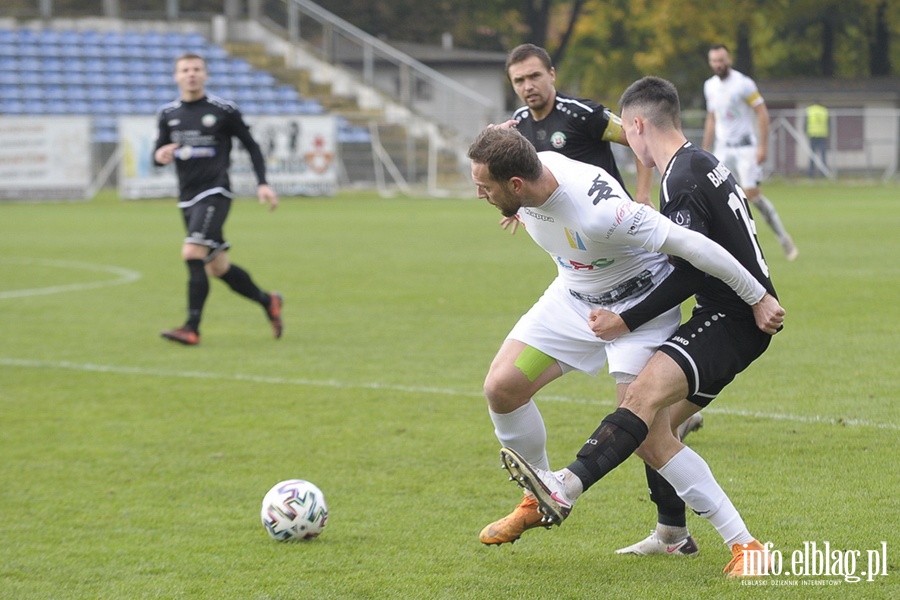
<point x="187" y="152"/>
<point x="637" y="220"/>
<point x="601" y="190"/>
<point x="683" y="218"/>
<point x="574" y="265"/>
<point x="622" y="210"/>
<point x="574" y="239"/>
<point x="538" y="216"/>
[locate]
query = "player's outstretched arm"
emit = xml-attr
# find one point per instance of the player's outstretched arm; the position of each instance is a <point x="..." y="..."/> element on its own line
<point x="710" y="257"/>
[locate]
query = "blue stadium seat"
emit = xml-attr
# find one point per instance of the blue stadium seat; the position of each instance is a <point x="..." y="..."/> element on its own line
<point x="152" y="38"/>
<point x="57" y="107"/>
<point x="8" y="78"/>
<point x="106" y="135"/>
<point x="113" y="38"/>
<point x="79" y="107"/>
<point x="286" y="92"/>
<point x="76" y="92"/>
<point x="118" y="93"/>
<point x="10" y="92"/>
<point x="91" y="38"/>
<point x="73" y="64"/>
<point x="30" y="63"/>
<point x="52" y="64"/>
<point x="123" y="107"/>
<point x="100" y="106"/>
<point x="69" y="37"/>
<point x="265" y="94"/>
<point x="145" y="107"/>
<point x="9" y="50"/>
<point x="263" y="78"/>
<point x="104" y="74"/>
<point x="13" y="107"/>
<point x="48" y="36"/>
<point x="54" y="92"/>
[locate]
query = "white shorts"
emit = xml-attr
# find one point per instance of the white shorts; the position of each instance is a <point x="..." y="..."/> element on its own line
<point x="557" y="325"/>
<point x="742" y="162"/>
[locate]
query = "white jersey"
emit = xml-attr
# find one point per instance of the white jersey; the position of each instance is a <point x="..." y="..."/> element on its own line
<point x="598" y="237"/>
<point x="732" y="101"/>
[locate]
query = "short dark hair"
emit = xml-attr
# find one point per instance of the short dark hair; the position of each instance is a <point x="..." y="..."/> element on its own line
<point x="656" y="98"/>
<point x="507" y="154"/>
<point x="526" y="51"/>
<point x="719" y="47"/>
<point x="190" y="56"/>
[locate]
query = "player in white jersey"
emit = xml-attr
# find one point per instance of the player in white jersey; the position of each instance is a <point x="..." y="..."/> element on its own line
<point x="734" y="108"/>
<point x="606" y="248"/>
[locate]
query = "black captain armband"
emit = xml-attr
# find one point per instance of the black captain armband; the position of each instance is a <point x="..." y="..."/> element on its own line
<point x="680" y="285"/>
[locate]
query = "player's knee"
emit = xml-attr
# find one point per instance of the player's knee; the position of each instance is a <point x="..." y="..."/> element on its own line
<point x="502" y="392"/>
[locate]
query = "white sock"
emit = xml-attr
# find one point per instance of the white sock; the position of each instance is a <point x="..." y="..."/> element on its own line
<point x="693" y="480"/>
<point x="523" y="431"/>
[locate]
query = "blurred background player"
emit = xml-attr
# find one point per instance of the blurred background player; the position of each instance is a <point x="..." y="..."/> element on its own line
<point x="575" y="127"/>
<point x="816" y="121"/>
<point x="195" y="132"/>
<point x="732" y="102"/>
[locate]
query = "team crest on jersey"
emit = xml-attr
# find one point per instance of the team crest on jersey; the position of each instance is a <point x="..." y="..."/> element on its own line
<point x="208" y="120"/>
<point x="558" y="139"/>
<point x="574" y="239"/>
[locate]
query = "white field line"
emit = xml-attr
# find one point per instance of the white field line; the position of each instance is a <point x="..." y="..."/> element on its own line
<point x="411" y="389"/>
<point x="121" y="276"/>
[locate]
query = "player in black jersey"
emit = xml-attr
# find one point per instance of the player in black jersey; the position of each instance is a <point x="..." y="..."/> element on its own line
<point x="722" y="337"/>
<point x="195" y="132"/>
<point x="575" y="127"/>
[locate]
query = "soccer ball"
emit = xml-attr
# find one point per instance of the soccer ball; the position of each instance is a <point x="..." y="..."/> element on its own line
<point x="294" y="510"/>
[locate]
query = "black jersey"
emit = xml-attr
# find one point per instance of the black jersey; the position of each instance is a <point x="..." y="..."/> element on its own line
<point x="698" y="192"/>
<point x="204" y="130"/>
<point x="574" y="128"/>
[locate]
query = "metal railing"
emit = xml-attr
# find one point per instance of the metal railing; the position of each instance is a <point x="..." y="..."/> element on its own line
<point x="863" y="142"/>
<point x="405" y="80"/>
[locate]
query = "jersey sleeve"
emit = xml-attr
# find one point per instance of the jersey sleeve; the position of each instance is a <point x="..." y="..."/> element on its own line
<point x="163" y="136"/>
<point x="241" y="131"/>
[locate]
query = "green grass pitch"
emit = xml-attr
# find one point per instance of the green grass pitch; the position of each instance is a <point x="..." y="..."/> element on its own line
<point x="134" y="468"/>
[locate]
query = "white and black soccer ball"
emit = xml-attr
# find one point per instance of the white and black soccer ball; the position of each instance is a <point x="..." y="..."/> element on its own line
<point x="294" y="510"/>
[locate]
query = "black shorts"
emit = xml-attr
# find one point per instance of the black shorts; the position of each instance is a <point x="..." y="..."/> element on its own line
<point x="205" y="221"/>
<point x="712" y="348"/>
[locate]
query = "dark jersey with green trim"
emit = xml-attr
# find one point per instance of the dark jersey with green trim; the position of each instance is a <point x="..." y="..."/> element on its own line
<point x="698" y="192"/>
<point x="204" y="130"/>
<point x="574" y="128"/>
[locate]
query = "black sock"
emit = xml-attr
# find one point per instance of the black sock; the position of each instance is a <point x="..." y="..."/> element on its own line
<point x="618" y="436"/>
<point x="669" y="507"/>
<point x="198" y="290"/>
<point x="240" y="281"/>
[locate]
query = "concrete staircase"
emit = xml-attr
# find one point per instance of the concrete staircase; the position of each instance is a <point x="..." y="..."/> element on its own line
<point x="407" y="149"/>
